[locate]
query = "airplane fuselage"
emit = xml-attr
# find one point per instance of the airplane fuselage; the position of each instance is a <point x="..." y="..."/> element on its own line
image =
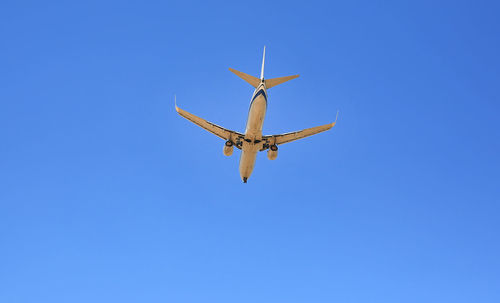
<point x="253" y="131"/>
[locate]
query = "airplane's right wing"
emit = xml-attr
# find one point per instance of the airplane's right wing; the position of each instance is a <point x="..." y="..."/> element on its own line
<point x="289" y="137"/>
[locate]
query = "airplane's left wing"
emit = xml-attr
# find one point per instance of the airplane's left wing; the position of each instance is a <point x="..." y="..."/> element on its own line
<point x="215" y="129"/>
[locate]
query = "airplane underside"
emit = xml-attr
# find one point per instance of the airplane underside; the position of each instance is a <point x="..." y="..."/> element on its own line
<point x="252" y="141"/>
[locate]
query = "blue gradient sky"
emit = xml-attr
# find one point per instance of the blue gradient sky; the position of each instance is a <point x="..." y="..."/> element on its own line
<point x="107" y="195"/>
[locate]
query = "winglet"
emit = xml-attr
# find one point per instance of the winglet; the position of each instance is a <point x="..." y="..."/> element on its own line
<point x="175" y="102"/>
<point x="336" y="117"/>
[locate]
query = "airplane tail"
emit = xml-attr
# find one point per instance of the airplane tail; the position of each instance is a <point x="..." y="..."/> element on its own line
<point x="254" y="81"/>
<point x="276" y="81"/>
<point x="263" y="59"/>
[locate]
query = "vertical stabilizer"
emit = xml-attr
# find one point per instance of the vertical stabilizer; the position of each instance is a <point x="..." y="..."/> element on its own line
<point x="263" y="59"/>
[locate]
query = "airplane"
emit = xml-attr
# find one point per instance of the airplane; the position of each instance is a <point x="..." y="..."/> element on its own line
<point x="252" y="141"/>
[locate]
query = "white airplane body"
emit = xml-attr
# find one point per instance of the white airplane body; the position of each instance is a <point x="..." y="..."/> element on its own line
<point x="252" y="141"/>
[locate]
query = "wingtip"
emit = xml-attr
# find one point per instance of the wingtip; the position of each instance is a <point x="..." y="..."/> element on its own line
<point x="336" y="117"/>
<point x="175" y="103"/>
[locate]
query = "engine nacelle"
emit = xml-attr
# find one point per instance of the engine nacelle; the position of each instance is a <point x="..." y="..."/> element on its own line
<point x="272" y="153"/>
<point x="228" y="148"/>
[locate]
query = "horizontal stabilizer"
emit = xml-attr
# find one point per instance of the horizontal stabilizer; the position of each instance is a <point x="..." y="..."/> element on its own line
<point x="276" y="81"/>
<point x="253" y="81"/>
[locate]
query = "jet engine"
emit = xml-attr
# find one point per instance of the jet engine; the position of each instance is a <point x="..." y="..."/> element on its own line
<point x="272" y="153"/>
<point x="228" y="148"/>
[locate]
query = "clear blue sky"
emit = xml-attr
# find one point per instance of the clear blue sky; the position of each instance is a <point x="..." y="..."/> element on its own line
<point x="107" y="195"/>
